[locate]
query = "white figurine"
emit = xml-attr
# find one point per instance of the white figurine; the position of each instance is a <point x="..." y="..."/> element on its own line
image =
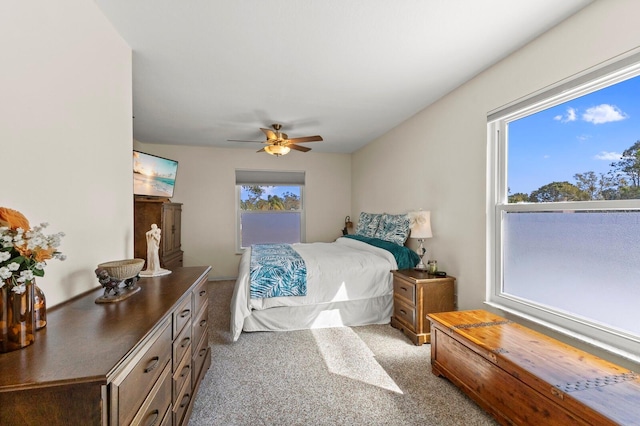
<point x="153" y="258"/>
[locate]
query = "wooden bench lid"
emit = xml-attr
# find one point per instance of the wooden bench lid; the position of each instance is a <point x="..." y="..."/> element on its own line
<point x="553" y="368"/>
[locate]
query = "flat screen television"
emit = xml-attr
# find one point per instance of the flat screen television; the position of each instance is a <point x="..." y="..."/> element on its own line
<point x="153" y="176"/>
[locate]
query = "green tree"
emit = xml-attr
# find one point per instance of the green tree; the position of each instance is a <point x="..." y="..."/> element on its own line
<point x="291" y="201"/>
<point x="588" y="183"/>
<point x="255" y="194"/>
<point x="558" y="191"/>
<point x="275" y="202"/>
<point x="629" y="164"/>
<point x="519" y="197"/>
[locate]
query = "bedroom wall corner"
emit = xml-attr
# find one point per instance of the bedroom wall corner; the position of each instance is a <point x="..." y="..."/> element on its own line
<point x="205" y="184"/>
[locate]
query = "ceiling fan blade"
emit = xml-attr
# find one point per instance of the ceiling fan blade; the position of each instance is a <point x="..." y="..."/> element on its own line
<point x="316" y="138"/>
<point x="238" y="140"/>
<point x="261" y="150"/>
<point x="298" y="147"/>
<point x="270" y="133"/>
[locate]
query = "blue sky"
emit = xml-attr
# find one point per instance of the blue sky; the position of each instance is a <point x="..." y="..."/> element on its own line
<point x="581" y="135"/>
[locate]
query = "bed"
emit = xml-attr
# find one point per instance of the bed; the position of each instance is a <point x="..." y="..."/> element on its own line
<point x="348" y="283"/>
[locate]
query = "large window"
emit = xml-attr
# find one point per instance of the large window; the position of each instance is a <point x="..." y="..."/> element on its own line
<point x="564" y="228"/>
<point x="270" y="207"/>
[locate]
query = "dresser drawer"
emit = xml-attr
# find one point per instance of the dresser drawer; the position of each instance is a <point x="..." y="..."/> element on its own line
<point x="157" y="404"/>
<point x="181" y="315"/>
<point x="200" y="325"/>
<point x="182" y="374"/>
<point x="181" y="345"/>
<point x="405" y="290"/>
<point x="199" y="358"/>
<point x="200" y="296"/>
<point x="181" y="402"/>
<point x="131" y="385"/>
<point x="405" y="313"/>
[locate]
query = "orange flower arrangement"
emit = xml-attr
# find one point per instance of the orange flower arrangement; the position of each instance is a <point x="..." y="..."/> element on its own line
<point x="13" y="219"/>
<point x="24" y="250"/>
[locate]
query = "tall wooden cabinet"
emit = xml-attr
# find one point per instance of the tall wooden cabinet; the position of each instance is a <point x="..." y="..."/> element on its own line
<point x="168" y="218"/>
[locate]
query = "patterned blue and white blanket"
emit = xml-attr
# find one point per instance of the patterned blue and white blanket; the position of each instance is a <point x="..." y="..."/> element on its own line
<point x="277" y="270"/>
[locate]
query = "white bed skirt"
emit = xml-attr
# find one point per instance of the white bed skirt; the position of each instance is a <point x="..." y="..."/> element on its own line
<point x="377" y="310"/>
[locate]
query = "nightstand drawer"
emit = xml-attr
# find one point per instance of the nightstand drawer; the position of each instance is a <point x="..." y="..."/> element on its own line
<point x="404" y="289"/>
<point x="405" y="313"/>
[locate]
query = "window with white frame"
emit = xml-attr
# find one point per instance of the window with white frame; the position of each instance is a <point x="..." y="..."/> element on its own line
<point x="269" y="207"/>
<point x="564" y="227"/>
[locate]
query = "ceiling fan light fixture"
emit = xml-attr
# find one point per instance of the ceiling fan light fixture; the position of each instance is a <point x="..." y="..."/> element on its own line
<point x="277" y="150"/>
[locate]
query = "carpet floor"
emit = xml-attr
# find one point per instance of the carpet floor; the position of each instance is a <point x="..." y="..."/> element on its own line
<point x="368" y="375"/>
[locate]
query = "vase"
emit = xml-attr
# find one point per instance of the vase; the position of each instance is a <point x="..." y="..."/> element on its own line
<point x="39" y="307"/>
<point x="16" y="318"/>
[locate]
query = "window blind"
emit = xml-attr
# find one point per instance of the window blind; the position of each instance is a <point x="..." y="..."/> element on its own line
<point x="269" y="177"/>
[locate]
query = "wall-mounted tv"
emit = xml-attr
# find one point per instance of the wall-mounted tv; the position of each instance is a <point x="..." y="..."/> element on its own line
<point x="153" y="176"/>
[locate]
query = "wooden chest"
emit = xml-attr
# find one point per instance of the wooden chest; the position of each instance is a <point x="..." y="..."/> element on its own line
<point x="523" y="377"/>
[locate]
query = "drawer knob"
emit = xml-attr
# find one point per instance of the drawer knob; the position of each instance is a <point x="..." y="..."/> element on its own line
<point x="154" y="419"/>
<point x="185" y="313"/>
<point x="203" y="323"/>
<point x="202" y="352"/>
<point x="203" y="292"/>
<point x="185" y="342"/>
<point x="152" y="364"/>
<point x="403" y="312"/>
<point x="403" y="288"/>
<point x="185" y="370"/>
<point x="185" y="400"/>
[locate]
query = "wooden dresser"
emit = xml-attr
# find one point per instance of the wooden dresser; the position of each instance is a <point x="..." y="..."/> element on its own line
<point x="415" y="294"/>
<point x="138" y="361"/>
<point x="168" y="217"/>
<point x="523" y="377"/>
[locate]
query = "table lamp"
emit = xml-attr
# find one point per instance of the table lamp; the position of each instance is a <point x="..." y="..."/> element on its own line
<point x="420" y="223"/>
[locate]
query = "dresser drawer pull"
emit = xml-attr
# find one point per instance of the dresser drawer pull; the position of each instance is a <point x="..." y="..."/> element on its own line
<point x="156" y="416"/>
<point x="152" y="364"/>
<point x="203" y="323"/>
<point x="185" y="342"/>
<point x="185" y="313"/>
<point x="203" y="292"/>
<point x="202" y="352"/>
<point x="184" y="370"/>
<point x="403" y="312"/>
<point x="185" y="400"/>
<point x="404" y="288"/>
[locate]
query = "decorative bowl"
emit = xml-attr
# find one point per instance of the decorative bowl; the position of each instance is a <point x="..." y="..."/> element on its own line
<point x="123" y="269"/>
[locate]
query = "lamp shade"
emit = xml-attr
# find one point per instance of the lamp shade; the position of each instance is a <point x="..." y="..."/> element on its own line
<point x="277" y="150"/>
<point x="420" y="223"/>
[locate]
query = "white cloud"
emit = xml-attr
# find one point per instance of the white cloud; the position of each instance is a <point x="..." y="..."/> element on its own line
<point x="603" y="113"/>
<point x="570" y="116"/>
<point x="583" y="137"/>
<point x="608" y="156"/>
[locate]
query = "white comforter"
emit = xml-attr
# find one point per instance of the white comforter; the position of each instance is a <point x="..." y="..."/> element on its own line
<point x="343" y="270"/>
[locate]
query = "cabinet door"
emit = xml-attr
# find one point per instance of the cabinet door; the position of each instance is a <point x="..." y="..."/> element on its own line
<point x="171" y="231"/>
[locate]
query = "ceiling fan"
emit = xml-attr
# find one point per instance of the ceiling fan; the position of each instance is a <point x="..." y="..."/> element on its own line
<point x="278" y="143"/>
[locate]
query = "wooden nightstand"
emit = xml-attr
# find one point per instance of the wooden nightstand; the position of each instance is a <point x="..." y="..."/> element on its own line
<point x="416" y="294"/>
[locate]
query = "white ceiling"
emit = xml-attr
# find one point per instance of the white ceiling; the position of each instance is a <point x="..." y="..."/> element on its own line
<point x="205" y="71"/>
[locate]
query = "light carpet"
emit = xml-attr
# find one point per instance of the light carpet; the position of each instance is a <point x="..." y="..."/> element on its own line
<point x="368" y="375"/>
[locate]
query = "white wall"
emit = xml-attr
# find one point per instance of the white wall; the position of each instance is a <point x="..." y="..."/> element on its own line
<point x="205" y="184"/>
<point x="437" y="160"/>
<point x="65" y="134"/>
